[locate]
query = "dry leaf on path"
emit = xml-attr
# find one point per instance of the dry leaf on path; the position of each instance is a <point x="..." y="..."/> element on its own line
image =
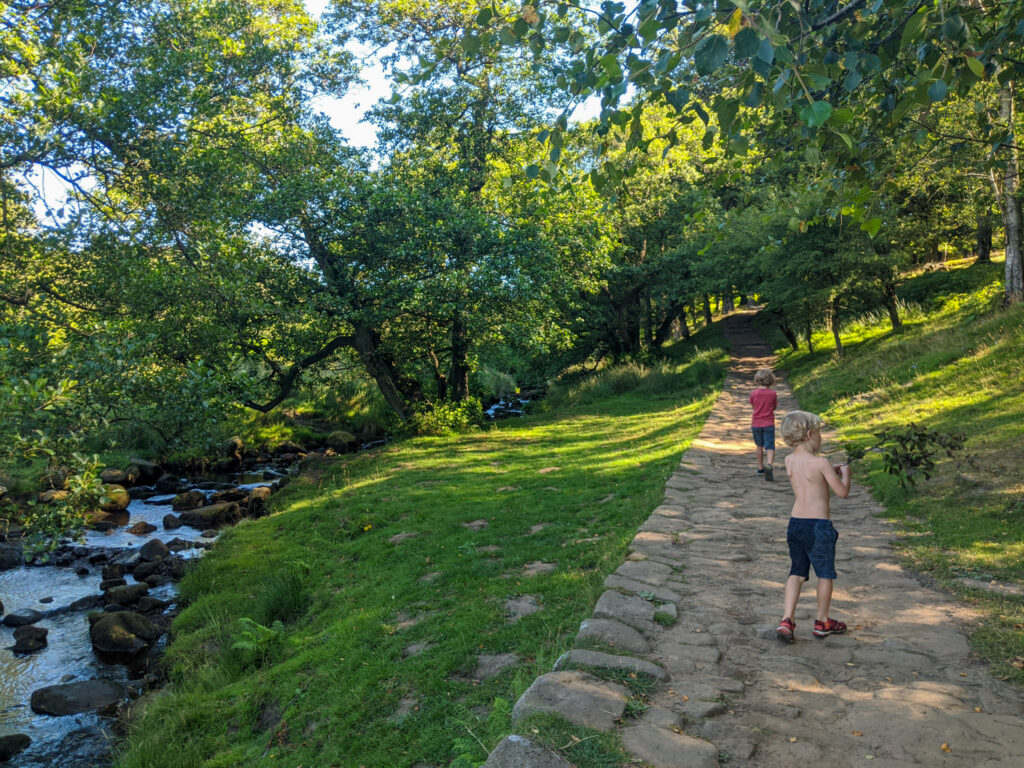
<point x="946" y="748"/>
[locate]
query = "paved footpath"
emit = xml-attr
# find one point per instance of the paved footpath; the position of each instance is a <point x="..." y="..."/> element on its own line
<point x="900" y="689"/>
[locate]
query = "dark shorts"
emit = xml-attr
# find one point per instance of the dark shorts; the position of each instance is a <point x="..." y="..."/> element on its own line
<point x="812" y="541"/>
<point x="764" y="437"/>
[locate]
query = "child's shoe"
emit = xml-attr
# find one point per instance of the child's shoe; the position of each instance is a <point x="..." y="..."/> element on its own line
<point x="828" y="627"/>
<point x="769" y="473"/>
<point x="786" y="630"/>
<point x="760" y="472"/>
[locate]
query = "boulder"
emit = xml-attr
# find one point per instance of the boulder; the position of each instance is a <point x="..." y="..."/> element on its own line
<point x="233" y="448"/>
<point x="257" y="499"/>
<point x="74" y="698"/>
<point x="142" y="570"/>
<point x="286" y="447"/>
<point x="29" y="639"/>
<point x="116" y="476"/>
<point x="231" y="494"/>
<point x="149" y="604"/>
<point x="342" y="441"/>
<point x="115" y="498"/>
<point x="211" y="516"/>
<point x="1" y="607"/>
<point x="12" y="745"/>
<point x="188" y="500"/>
<point x="520" y="752"/>
<point x="10" y="555"/>
<point x="167" y="484"/>
<point x="171" y="522"/>
<point x="113" y="571"/>
<point x="53" y="495"/>
<point x="141" y="492"/>
<point x="578" y="697"/>
<point x="22" y="619"/>
<point x="142" y="528"/>
<point x="145" y="471"/>
<point x="122" y="632"/>
<point x="111" y="583"/>
<point x="125" y="595"/>
<point x="154" y="549"/>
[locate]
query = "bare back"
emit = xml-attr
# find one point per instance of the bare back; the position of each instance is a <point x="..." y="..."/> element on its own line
<point x="812" y="477"/>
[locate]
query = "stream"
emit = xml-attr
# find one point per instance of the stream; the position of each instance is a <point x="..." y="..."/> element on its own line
<point x="67" y="591"/>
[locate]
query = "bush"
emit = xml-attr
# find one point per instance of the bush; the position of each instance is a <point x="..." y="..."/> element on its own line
<point x="449" y="418"/>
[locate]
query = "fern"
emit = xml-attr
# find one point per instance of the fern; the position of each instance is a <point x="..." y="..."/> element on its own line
<point x="258" y="640"/>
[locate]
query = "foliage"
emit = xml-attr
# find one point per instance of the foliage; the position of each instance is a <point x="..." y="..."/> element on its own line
<point x="449" y="418"/>
<point x="910" y="449"/>
<point x="258" y="641"/>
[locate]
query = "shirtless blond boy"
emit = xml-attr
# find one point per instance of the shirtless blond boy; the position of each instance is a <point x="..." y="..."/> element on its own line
<point x="811" y="536"/>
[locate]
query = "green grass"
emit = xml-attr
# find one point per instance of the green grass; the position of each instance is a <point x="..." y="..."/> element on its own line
<point x="956" y="369"/>
<point x="342" y="688"/>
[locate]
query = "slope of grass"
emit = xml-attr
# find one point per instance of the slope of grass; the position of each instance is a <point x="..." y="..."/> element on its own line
<point x="373" y="660"/>
<point x="955" y="369"/>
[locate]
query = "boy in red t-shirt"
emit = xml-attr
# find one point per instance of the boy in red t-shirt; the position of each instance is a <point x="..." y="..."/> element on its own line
<point x="762" y="423"/>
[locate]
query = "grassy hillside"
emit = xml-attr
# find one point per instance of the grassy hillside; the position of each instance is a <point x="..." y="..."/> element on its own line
<point x="955" y="368"/>
<point x="310" y="638"/>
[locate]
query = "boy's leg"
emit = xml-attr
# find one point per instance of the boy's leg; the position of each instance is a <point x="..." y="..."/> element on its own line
<point x="793" y="586"/>
<point x="760" y="457"/>
<point x="824" y="598"/>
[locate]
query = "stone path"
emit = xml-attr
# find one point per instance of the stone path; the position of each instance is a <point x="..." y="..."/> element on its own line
<point x="900" y="689"/>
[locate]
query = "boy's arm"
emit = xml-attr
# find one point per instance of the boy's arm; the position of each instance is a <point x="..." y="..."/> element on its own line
<point x="838" y="482"/>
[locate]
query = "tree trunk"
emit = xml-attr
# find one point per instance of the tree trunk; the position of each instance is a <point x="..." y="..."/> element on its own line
<point x="380" y="369"/>
<point x="707" y="310"/>
<point x="984" y="238"/>
<point x="790" y="335"/>
<point x="1006" y="183"/>
<point x="834" y="322"/>
<point x="664" y="332"/>
<point x="458" y="377"/>
<point x="889" y="297"/>
<point x="810" y="340"/>
<point x="440" y="381"/>
<point x="684" y="329"/>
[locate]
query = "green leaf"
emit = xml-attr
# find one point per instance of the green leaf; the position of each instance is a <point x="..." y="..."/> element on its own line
<point x="754" y="95"/>
<point x="841" y="116"/>
<point x="726" y="114"/>
<point x="937" y="91"/>
<point x="610" y="64"/>
<point x="975" y="66"/>
<point x="485" y="15"/>
<point x="766" y="51"/>
<point x="954" y="28"/>
<point x="532" y="171"/>
<point x="710" y="53"/>
<point x="915" y="25"/>
<point x="816" y="114"/>
<point x="871" y="226"/>
<point x="846" y="139"/>
<point x="746" y="43"/>
<point x="471" y="44"/>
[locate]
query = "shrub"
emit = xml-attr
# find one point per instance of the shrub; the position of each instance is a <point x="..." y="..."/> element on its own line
<point x="449" y="418"/>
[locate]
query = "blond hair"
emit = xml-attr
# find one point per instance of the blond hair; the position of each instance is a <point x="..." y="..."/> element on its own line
<point x="797" y="424"/>
<point x="764" y="377"/>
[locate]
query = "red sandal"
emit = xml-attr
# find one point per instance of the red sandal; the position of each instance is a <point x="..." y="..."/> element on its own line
<point x="785" y="630"/>
<point x="828" y="627"/>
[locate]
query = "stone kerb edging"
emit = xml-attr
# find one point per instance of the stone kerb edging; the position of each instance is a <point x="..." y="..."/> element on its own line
<point x="642" y="597"/>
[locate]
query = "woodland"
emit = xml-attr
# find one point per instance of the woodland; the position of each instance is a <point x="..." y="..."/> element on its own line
<point x="215" y="252"/>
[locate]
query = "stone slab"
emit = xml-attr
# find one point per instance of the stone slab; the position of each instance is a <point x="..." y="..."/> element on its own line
<point x="599" y="660"/>
<point x="631" y="610"/>
<point x="662" y="748"/>
<point x="578" y="697"/>
<point x="613" y="634"/>
<point x="519" y="752"/>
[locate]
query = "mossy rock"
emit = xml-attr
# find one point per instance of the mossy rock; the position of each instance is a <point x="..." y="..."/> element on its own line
<point x="341" y="441"/>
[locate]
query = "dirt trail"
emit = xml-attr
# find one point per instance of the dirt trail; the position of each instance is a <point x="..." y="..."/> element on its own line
<point x="900" y="689"/>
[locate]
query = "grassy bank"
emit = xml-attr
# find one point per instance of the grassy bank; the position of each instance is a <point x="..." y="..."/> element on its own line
<point x="955" y="368"/>
<point x="311" y="638"/>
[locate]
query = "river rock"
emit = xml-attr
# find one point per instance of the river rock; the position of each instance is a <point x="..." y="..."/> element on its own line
<point x="145" y="471"/>
<point x="74" y="698"/>
<point x="141" y="492"/>
<point x="12" y="745"/>
<point x="22" y="619"/>
<point x="141" y="528"/>
<point x="520" y="752"/>
<point x="154" y="549"/>
<point x="342" y="441"/>
<point x="212" y="516"/>
<point x="233" y="448"/>
<point x="171" y="522"/>
<point x="122" y="632"/>
<point x="188" y="500"/>
<point x="230" y="494"/>
<point x="29" y="639"/>
<point x="113" y="571"/>
<point x="116" y="498"/>
<point x="86" y="603"/>
<point x="1" y="607"/>
<point x="10" y="555"/>
<point x="257" y="499"/>
<point x="116" y="476"/>
<point x="167" y="484"/>
<point x="147" y="604"/>
<point x="287" y="446"/>
<point x="111" y="583"/>
<point x="125" y="595"/>
<point x="53" y="495"/>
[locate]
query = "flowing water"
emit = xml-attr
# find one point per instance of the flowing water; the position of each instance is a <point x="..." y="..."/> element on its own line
<point x="76" y="741"/>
